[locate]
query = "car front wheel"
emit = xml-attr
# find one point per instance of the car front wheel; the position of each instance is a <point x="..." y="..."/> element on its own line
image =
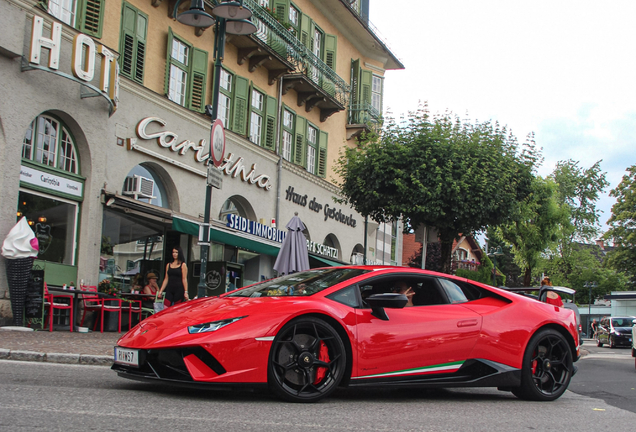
<point x="547" y="367"/>
<point x="307" y="361"/>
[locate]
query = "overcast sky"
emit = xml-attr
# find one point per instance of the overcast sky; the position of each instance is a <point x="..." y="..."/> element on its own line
<point x="562" y="69"/>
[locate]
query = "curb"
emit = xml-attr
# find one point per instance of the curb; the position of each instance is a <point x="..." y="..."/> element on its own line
<point x="82" y="359"/>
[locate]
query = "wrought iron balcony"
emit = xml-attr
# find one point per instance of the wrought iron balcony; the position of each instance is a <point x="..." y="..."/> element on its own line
<point x="363" y="113"/>
<point x="316" y="83"/>
<point x="362" y="117"/>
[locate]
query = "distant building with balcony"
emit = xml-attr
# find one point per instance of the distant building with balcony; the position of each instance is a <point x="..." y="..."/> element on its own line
<point x="104" y="131"/>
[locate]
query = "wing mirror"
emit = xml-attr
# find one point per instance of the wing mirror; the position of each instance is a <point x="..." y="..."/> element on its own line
<point x="388" y="300"/>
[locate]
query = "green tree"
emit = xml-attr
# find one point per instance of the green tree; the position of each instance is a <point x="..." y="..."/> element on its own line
<point x="534" y="227"/>
<point x="439" y="171"/>
<point x="622" y="224"/>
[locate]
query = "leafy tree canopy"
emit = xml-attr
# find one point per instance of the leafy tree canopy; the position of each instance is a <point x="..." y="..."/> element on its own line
<point x="439" y="171"/>
<point x="623" y="226"/>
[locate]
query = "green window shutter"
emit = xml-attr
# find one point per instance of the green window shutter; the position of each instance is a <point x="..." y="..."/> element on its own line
<point x="168" y="61"/>
<point x="132" y="43"/>
<point x="355" y="81"/>
<point x="306" y="31"/>
<point x="241" y="98"/>
<point x="282" y="10"/>
<point x="127" y="40"/>
<point x="322" y="154"/>
<point x="331" y="43"/>
<point x="366" y="80"/>
<point x="269" y="138"/>
<point x="91" y="17"/>
<point x="300" y="144"/>
<point x="197" y="78"/>
<point x="140" y="47"/>
<point x="44" y="4"/>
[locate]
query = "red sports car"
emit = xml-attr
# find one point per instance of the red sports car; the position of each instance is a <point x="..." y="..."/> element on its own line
<point x="307" y="333"/>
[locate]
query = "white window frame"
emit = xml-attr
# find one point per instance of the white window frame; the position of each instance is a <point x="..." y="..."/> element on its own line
<point x="312" y="148"/>
<point x="178" y="80"/>
<point x="66" y="201"/>
<point x="256" y="119"/>
<point x="377" y="84"/>
<point x="55" y="157"/>
<point x="64" y="10"/>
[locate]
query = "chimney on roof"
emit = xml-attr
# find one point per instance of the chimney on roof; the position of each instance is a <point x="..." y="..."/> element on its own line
<point x="600" y="244"/>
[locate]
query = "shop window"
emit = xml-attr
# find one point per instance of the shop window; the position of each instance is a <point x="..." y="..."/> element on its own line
<point x="186" y="72"/>
<point x="54" y="222"/>
<point x="132" y="46"/>
<point x="86" y="16"/>
<point x="48" y="141"/>
<point x="144" y="185"/>
<point x="130" y="245"/>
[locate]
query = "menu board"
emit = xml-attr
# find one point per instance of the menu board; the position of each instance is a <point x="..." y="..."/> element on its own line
<point x="34" y="303"/>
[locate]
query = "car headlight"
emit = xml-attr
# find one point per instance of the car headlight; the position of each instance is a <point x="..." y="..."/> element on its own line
<point x="212" y="326"/>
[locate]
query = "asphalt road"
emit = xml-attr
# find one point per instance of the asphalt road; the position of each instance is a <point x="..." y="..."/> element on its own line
<point x="73" y="397"/>
<point x="608" y="374"/>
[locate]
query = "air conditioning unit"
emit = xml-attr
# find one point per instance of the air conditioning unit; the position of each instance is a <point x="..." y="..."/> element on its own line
<point x="139" y="187"/>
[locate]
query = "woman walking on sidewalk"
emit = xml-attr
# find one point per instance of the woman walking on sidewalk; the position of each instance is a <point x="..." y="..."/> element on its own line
<point x="175" y="284"/>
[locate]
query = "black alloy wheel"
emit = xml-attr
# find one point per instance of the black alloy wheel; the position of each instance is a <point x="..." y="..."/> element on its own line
<point x="307" y="361"/>
<point x="547" y="367"/>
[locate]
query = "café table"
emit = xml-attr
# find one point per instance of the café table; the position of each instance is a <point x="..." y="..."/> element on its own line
<point x="76" y="299"/>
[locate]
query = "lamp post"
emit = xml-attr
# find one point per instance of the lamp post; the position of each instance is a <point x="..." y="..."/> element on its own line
<point x="229" y="17"/>
<point x="494" y="254"/>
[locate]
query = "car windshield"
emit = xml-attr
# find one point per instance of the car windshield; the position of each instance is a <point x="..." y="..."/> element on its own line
<point x="299" y="284"/>
<point x="622" y="322"/>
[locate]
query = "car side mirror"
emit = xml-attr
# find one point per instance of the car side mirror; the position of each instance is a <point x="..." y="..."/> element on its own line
<point x="388" y="300"/>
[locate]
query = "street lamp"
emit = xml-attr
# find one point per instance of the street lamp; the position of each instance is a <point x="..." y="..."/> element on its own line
<point x="229" y="17"/>
<point x="494" y="254"/>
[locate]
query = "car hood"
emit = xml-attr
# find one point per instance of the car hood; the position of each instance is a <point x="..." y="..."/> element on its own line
<point x="623" y="329"/>
<point x="171" y="325"/>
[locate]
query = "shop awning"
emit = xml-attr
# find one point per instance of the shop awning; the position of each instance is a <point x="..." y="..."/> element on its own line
<point x="220" y="235"/>
<point x="327" y="261"/>
<point x="246" y="241"/>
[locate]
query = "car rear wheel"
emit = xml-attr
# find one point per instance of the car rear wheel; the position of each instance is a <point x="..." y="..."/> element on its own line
<point x="307" y="361"/>
<point x="547" y="367"/>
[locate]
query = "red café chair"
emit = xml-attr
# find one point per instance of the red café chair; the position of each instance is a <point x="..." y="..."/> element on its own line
<point x="92" y="303"/>
<point x="133" y="307"/>
<point x="50" y="304"/>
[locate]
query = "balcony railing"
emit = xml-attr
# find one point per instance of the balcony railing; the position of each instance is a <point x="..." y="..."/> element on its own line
<point x="285" y="43"/>
<point x="363" y="113"/>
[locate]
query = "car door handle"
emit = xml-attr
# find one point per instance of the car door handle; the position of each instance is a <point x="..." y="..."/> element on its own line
<point x="467" y="323"/>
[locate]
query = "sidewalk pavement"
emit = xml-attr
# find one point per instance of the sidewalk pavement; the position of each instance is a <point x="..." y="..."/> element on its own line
<point x="91" y="348"/>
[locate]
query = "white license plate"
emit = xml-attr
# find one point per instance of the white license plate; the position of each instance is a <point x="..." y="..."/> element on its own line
<point x="127" y="356"/>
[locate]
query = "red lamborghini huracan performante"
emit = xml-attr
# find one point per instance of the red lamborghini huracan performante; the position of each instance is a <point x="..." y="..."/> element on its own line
<point x="307" y="333"/>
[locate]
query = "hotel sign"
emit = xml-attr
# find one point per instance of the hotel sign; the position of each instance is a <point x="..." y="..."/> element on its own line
<point x="85" y="54"/>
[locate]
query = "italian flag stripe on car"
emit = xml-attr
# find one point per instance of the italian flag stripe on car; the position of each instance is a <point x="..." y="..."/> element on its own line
<point x="444" y="367"/>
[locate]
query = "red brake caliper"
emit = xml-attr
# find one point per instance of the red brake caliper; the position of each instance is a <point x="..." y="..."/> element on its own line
<point x="323" y="355"/>
<point x="534" y="366"/>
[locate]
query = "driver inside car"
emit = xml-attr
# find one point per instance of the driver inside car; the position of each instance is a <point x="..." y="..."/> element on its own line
<point x="402" y="287"/>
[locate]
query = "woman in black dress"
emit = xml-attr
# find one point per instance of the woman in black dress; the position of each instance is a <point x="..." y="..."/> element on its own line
<point x="175" y="284"/>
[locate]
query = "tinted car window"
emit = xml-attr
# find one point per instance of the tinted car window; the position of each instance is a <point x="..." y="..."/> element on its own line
<point x="346" y="296"/>
<point x="453" y="291"/>
<point x="299" y="284"/>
